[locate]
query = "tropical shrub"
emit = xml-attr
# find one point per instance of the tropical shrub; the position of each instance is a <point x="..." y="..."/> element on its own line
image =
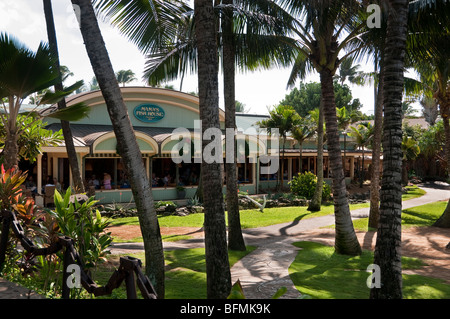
<point x="305" y="185"/>
<point x="85" y="225"/>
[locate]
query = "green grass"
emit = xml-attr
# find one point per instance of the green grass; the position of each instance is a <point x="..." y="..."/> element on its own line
<point x="413" y="192"/>
<point x="321" y="273"/>
<point x="185" y="273"/>
<point x="253" y="218"/>
<point x="250" y="218"/>
<point x="424" y="215"/>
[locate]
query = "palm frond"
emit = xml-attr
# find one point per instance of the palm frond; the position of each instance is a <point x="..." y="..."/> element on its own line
<point x="23" y="71"/>
<point x="147" y="23"/>
<point x="54" y="97"/>
<point x="74" y="112"/>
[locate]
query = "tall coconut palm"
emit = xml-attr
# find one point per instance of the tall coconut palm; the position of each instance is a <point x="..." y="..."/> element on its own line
<point x="125" y="76"/>
<point x="281" y="119"/>
<point x="302" y="129"/>
<point x="235" y="237"/>
<point x="363" y="135"/>
<point x="325" y="30"/>
<point x="345" y="118"/>
<point x="388" y="244"/>
<point x="428" y="53"/>
<point x="410" y="149"/>
<point x="65" y="125"/>
<point x="217" y="265"/>
<point x="127" y="145"/>
<point x="22" y="73"/>
<point x="316" y="201"/>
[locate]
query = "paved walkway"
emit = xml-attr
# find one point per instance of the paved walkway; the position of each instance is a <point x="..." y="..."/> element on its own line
<point x="9" y="290"/>
<point x="265" y="270"/>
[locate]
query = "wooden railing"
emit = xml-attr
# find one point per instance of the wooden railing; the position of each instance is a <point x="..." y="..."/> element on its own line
<point x="128" y="267"/>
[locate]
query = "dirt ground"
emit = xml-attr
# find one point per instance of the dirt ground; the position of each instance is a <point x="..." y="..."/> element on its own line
<point x="426" y="243"/>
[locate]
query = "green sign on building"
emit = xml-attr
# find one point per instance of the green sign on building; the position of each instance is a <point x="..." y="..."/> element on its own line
<point x="149" y="113"/>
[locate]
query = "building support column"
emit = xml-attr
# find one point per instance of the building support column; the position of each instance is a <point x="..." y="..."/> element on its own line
<point x="352" y="167"/>
<point x="39" y="199"/>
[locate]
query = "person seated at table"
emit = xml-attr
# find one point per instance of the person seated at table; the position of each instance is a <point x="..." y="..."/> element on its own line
<point x="106" y="181"/>
<point x="167" y="179"/>
<point x="124" y="183"/>
<point x="31" y="185"/>
<point x="154" y="180"/>
<point x="93" y="181"/>
<point x="57" y="184"/>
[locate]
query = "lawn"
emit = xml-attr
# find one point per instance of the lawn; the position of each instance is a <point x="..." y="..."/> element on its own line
<point x="253" y="218"/>
<point x="185" y="273"/>
<point x="321" y="273"/>
<point x="424" y="215"/>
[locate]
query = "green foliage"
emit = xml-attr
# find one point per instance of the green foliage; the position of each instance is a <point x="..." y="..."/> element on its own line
<point x="161" y="203"/>
<point x="305" y="185"/>
<point x="32" y="138"/>
<point x="85" y="226"/>
<point x="307" y="98"/>
<point x="10" y="191"/>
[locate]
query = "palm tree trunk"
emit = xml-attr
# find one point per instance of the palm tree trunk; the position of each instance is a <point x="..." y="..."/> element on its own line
<point x="11" y="149"/>
<point x="316" y="201"/>
<point x="346" y="241"/>
<point x="216" y="254"/>
<point x="282" y="166"/>
<point x="444" y="220"/>
<point x="126" y="143"/>
<point x="67" y="133"/>
<point x="388" y="245"/>
<point x="361" y="178"/>
<point x="10" y="152"/>
<point x="300" y="160"/>
<point x="374" y="212"/>
<point x="235" y="238"/>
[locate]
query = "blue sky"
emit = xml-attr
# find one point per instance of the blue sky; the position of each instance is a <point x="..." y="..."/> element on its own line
<point x="25" y="20"/>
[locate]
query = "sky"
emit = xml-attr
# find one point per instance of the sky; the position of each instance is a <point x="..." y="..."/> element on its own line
<point x="259" y="91"/>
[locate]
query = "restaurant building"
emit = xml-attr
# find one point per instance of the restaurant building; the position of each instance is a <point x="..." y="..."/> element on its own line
<point x="155" y="113"/>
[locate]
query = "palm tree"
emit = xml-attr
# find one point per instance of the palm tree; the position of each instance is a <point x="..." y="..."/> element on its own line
<point x="217" y="264"/>
<point x="363" y="135"/>
<point x="301" y="131"/>
<point x="388" y="244"/>
<point x="316" y="201"/>
<point x="63" y="74"/>
<point x="410" y="149"/>
<point x="125" y="76"/>
<point x="349" y="71"/>
<point x="429" y="25"/>
<point x="429" y="109"/>
<point x="320" y="25"/>
<point x="22" y="73"/>
<point x="345" y="118"/>
<point x="126" y="143"/>
<point x="235" y="237"/>
<point x="281" y="120"/>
